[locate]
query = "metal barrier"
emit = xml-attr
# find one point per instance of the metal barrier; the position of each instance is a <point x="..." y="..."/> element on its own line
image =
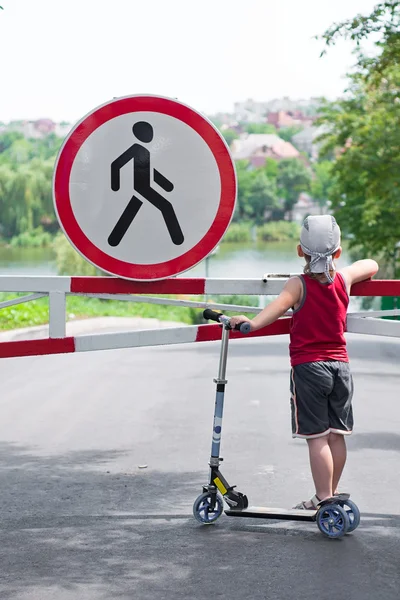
<point x="57" y="289"/>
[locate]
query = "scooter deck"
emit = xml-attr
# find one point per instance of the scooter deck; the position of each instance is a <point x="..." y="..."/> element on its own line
<point x="261" y="512"/>
<point x="293" y="514"/>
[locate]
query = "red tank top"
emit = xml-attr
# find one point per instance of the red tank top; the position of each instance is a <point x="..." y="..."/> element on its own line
<point x="318" y="325"/>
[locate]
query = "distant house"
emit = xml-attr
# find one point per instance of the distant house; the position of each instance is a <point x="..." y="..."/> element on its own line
<point x="250" y="111"/>
<point x="33" y="129"/>
<point x="284" y="118"/>
<point x="257" y="147"/>
<point x="305" y="140"/>
<point x="39" y="129"/>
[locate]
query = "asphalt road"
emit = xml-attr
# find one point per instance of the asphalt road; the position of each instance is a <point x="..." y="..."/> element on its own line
<point x="80" y="520"/>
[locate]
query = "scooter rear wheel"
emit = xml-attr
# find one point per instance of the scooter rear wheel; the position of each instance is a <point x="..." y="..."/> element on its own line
<point x="207" y="509"/>
<point x="353" y="513"/>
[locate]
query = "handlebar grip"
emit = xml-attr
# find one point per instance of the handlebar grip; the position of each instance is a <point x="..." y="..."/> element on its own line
<point x="211" y="315"/>
<point x="243" y="327"/>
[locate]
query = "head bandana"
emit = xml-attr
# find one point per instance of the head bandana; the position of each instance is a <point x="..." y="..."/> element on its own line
<point x="320" y="239"/>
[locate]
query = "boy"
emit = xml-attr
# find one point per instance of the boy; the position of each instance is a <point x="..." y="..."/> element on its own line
<point x="321" y="383"/>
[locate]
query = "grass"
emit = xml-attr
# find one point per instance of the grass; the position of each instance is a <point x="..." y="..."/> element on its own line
<point x="78" y="307"/>
<point x="37" y="311"/>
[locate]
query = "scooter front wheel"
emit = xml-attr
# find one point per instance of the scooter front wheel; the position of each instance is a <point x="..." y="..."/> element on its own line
<point x="207" y="508"/>
<point x="333" y="520"/>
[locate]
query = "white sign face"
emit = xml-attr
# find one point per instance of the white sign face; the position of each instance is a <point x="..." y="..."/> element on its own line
<point x="179" y="154"/>
<point x="144" y="194"/>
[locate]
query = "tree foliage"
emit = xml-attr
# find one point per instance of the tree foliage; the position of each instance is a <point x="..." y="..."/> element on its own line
<point x="26" y="169"/>
<point x="384" y="21"/>
<point x="364" y="133"/>
<point x="293" y="178"/>
<point x="286" y="133"/>
<point x="322" y="182"/>
<point x="258" y="197"/>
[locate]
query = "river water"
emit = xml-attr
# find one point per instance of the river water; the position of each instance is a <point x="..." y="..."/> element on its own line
<point x="233" y="261"/>
<point x="230" y="260"/>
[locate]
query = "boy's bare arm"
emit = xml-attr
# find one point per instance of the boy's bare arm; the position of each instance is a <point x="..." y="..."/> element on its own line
<point x="359" y="271"/>
<point x="289" y="297"/>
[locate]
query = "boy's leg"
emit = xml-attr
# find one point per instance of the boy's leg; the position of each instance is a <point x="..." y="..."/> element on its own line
<point x="322" y="466"/>
<point x="337" y="445"/>
<point x="340" y="419"/>
<point x="311" y="384"/>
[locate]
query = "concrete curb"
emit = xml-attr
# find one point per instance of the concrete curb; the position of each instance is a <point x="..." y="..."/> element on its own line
<point x="86" y="326"/>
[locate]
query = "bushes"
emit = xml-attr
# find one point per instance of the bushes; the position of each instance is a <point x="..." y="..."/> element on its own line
<point x="69" y="261"/>
<point x="32" y="239"/>
<point x="273" y="231"/>
<point x="238" y="233"/>
<point x="278" y="231"/>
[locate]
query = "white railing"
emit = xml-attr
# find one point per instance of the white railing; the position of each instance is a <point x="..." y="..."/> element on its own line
<point x="110" y="288"/>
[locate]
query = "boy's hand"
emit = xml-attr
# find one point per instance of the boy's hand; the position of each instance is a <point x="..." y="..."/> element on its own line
<point x="237" y="319"/>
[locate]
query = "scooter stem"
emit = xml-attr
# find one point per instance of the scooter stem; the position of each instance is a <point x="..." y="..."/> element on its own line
<point x="223" y="357"/>
<point x="219" y="399"/>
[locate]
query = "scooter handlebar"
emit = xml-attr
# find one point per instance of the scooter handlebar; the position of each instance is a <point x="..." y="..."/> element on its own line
<point x="212" y="315"/>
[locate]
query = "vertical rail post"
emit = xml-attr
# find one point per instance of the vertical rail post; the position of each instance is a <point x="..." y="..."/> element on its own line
<point x="57" y="310"/>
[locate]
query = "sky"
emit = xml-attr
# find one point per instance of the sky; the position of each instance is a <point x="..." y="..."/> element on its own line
<point x="60" y="59"/>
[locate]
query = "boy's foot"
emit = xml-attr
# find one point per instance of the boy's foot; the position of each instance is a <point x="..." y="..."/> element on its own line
<point x="314" y="503"/>
<point x="308" y="504"/>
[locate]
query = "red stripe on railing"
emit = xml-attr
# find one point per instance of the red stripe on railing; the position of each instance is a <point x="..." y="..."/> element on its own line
<point x="376" y="287"/>
<point x="192" y="285"/>
<point x="112" y="285"/>
<point x="210" y="333"/>
<point x="37" y="347"/>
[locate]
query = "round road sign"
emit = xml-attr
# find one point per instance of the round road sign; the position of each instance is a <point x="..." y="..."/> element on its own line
<point x="144" y="187"/>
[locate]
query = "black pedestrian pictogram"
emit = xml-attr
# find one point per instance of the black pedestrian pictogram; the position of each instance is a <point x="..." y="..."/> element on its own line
<point x="140" y="155"/>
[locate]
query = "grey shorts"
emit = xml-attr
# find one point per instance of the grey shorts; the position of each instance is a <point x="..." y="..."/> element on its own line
<point x="321" y="394"/>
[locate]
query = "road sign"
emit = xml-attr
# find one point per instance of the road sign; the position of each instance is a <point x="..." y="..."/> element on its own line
<point x="144" y="187"/>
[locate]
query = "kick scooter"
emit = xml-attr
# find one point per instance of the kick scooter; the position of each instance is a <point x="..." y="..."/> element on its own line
<point x="334" y="516"/>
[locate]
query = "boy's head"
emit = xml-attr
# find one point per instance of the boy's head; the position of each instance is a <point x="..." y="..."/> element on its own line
<point x="320" y="240"/>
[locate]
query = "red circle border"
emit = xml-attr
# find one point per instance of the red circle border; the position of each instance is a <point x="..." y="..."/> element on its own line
<point x="62" y="200"/>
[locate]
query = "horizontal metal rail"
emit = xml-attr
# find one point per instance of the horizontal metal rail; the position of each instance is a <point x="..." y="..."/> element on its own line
<point x="173" y="302"/>
<point x="21" y="300"/>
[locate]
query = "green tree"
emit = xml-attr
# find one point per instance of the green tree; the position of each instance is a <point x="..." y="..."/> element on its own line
<point x="8" y="138"/>
<point x="245" y="179"/>
<point x="26" y="171"/>
<point x="6" y="178"/>
<point x="364" y="134"/>
<point x="271" y="168"/>
<point x="384" y="21"/>
<point x="366" y="194"/>
<point x="257" y="194"/>
<point x="263" y="197"/>
<point x="293" y="178"/>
